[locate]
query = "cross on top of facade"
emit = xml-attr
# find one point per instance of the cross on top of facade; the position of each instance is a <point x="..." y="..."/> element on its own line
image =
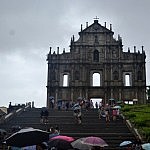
<point x="96" y="18"/>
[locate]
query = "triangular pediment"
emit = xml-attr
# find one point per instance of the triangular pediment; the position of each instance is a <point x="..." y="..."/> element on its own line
<point x="96" y="27"/>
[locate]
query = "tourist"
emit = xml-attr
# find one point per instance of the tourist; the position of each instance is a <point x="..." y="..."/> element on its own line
<point x="118" y="112"/>
<point x="99" y="113"/>
<point x="96" y="148"/>
<point x="67" y="106"/>
<point x="91" y="104"/>
<point x="77" y="113"/>
<point x="51" y="98"/>
<point x="107" y="113"/>
<point x="103" y="112"/>
<point x="41" y="115"/>
<point x="114" y="114"/>
<point x="100" y="104"/>
<point x="42" y="146"/>
<point x="87" y="105"/>
<point x="57" y="130"/>
<point x="96" y="105"/>
<point x="137" y="143"/>
<point x="46" y="113"/>
<point x="53" y="132"/>
<point x="59" y="105"/>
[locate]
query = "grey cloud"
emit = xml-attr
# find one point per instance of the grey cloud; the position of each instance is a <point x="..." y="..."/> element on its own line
<point x="29" y="27"/>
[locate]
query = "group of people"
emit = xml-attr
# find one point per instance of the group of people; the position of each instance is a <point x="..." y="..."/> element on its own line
<point x="53" y="131"/>
<point x="107" y="111"/>
<point x="104" y="111"/>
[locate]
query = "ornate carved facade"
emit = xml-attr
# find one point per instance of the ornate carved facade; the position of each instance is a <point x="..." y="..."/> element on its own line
<point x="97" y="51"/>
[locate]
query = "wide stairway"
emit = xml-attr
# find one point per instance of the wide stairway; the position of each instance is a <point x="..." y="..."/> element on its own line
<point x="113" y="133"/>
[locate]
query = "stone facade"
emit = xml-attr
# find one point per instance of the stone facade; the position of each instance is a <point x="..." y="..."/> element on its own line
<point x="97" y="52"/>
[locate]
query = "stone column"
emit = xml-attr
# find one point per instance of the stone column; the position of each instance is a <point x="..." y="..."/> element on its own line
<point x="72" y="94"/>
<point x="86" y="96"/>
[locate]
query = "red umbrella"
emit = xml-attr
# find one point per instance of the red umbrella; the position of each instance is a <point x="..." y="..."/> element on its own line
<point x="63" y="137"/>
<point x="94" y="141"/>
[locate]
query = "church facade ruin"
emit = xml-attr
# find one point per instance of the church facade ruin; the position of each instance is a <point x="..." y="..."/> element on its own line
<point x="97" y="67"/>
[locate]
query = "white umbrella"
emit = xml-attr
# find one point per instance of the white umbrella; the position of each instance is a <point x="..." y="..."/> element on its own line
<point x="117" y="107"/>
<point x="146" y="146"/>
<point x="77" y="108"/>
<point x="125" y="143"/>
<point x="80" y="145"/>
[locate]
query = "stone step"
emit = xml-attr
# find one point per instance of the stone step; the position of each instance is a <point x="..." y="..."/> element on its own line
<point x="113" y="133"/>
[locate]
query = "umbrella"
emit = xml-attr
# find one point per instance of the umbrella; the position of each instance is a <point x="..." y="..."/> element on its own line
<point x="119" y="102"/>
<point x="3" y="132"/>
<point x="51" y="97"/>
<point x="111" y="99"/>
<point x="146" y="146"/>
<point x="79" y="98"/>
<point x="117" y="107"/>
<point x="76" y="105"/>
<point x="77" y="108"/>
<point x="63" y="137"/>
<point x="125" y="143"/>
<point x="27" y="137"/>
<point x="94" y="141"/>
<point x="59" y="144"/>
<point x="78" y="144"/>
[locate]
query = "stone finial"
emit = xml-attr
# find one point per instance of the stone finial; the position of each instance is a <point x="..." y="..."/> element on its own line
<point x="110" y="27"/>
<point x="86" y="24"/>
<point x="134" y="49"/>
<point x="63" y="50"/>
<point x="50" y="50"/>
<point x="142" y="48"/>
<point x="57" y="50"/>
<point x="81" y="27"/>
<point x="73" y="38"/>
<point x="105" y="24"/>
<point x="128" y="49"/>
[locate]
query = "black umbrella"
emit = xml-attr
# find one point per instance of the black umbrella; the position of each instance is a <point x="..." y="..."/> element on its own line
<point x="27" y="137"/>
<point x="59" y="144"/>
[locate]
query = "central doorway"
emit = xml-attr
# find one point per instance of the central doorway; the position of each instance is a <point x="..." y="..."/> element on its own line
<point x="94" y="100"/>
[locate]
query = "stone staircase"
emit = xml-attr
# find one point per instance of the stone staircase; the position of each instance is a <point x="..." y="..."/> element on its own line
<point x="114" y="133"/>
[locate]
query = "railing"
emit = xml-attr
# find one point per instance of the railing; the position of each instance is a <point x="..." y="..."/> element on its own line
<point x="131" y="128"/>
<point x="13" y="114"/>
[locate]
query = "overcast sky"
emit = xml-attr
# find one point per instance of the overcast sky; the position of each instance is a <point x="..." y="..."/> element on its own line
<point x="29" y="27"/>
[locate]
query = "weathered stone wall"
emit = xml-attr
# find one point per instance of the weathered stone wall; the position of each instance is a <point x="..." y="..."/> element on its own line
<point x="97" y="51"/>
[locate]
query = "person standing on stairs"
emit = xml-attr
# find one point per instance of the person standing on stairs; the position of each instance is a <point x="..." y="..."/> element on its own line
<point x="77" y="113"/>
<point x="107" y="113"/>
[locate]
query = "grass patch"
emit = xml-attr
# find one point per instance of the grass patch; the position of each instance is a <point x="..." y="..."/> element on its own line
<point x="139" y="116"/>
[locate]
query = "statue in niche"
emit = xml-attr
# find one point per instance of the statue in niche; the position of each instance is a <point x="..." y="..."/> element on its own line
<point x="77" y="75"/>
<point x="96" y="56"/>
<point x="114" y="54"/>
<point x="115" y="75"/>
